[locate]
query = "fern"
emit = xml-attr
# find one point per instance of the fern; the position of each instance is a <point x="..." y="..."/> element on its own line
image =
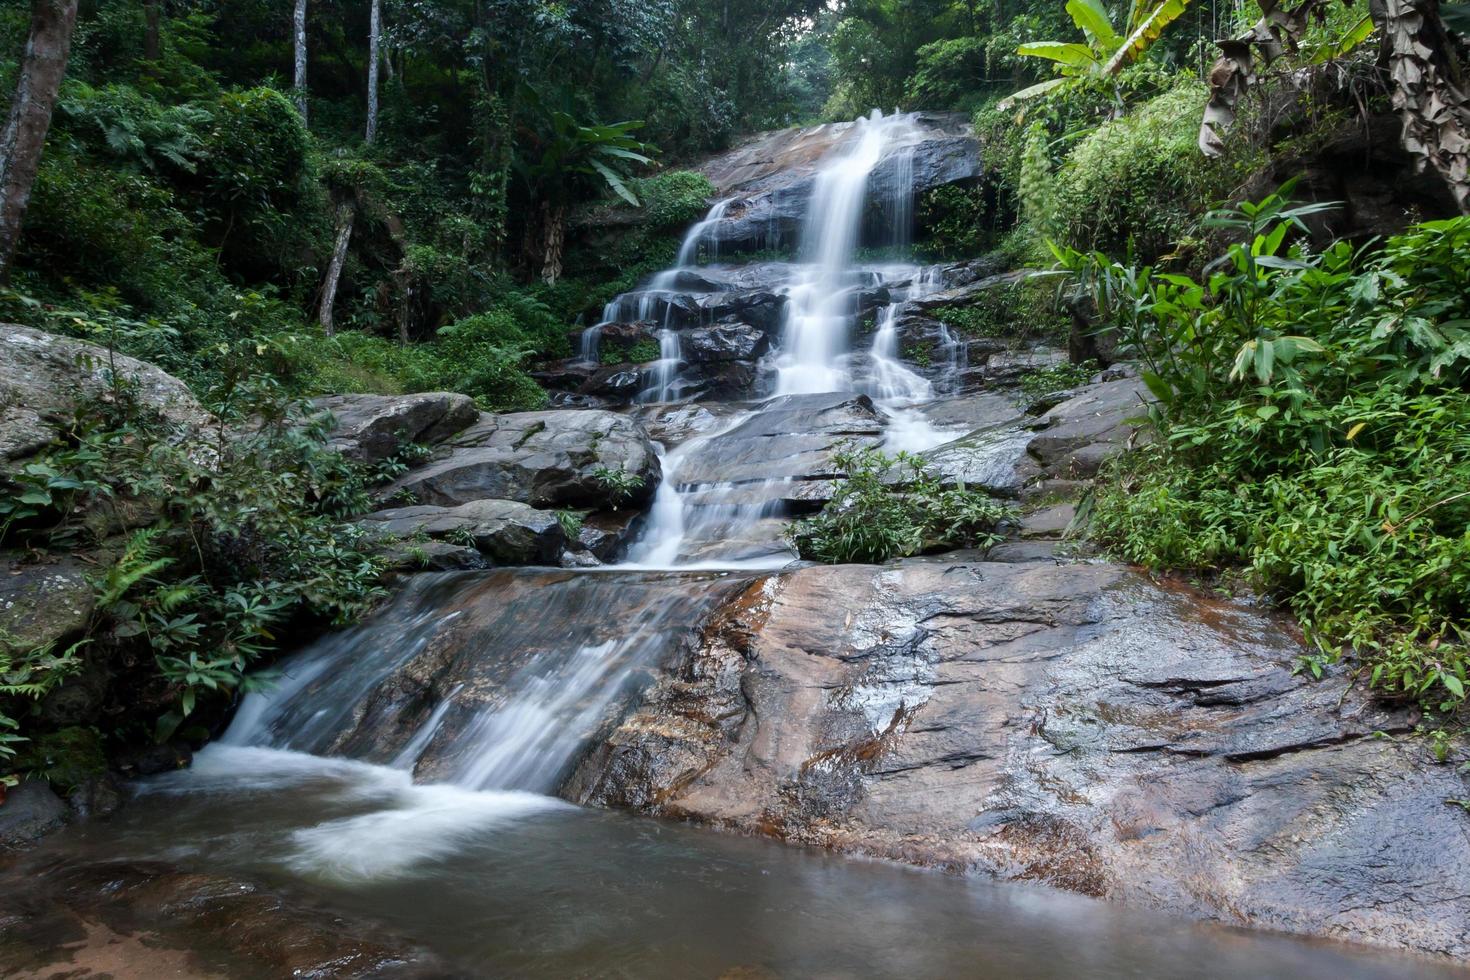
<point x="140" y="559"/>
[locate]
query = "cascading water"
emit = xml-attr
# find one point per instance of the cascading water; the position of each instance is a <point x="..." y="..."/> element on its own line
<point x="820" y="312"/>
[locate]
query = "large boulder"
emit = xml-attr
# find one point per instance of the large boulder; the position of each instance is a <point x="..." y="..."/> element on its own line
<point x="506" y="532"/>
<point x="546" y="459"/>
<point x="1073" y="725"/>
<point x="723" y="342"/>
<point x="43" y="377"/>
<point x="29" y="812"/>
<point x="371" y="428"/>
<point x="43" y="603"/>
<point x="1079" y="435"/>
<point x="792" y="438"/>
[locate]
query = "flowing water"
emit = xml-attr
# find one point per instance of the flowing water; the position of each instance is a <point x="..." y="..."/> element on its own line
<point x="405" y="771"/>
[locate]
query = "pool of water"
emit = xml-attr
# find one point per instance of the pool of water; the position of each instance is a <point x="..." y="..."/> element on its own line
<point x="523" y="885"/>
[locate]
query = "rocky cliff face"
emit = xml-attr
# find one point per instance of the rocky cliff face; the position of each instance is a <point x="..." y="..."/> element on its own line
<point x="769" y="177"/>
<point x="1072" y="724"/>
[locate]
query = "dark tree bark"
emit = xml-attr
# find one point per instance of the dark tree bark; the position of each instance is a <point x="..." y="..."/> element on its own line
<point x="152" y="39"/>
<point x="375" y="34"/>
<point x="345" y="215"/>
<point x="298" y="34"/>
<point x="41" y="71"/>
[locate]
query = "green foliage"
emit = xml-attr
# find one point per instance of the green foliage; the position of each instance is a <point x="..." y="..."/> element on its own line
<point x="948" y="73"/>
<point x="66" y="758"/>
<point x="1049" y="381"/>
<point x="1311" y="427"/>
<point x="571" y="523"/>
<point x="604" y="153"/>
<point x="1106" y="49"/>
<point x="1140" y="181"/>
<point x="245" y="536"/>
<point x="674" y="198"/>
<point x="1025" y="308"/>
<point x="619" y="484"/>
<point x="641" y="351"/>
<point x="1037" y="188"/>
<point x="959" y="221"/>
<point x="893" y="507"/>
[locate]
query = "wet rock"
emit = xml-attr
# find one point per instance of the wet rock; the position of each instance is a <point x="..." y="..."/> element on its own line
<point x="1048" y="522"/>
<point x="770" y="178"/>
<point x="371" y="428"/>
<point x="432" y="556"/>
<point x="985" y="459"/>
<point x="43" y="377"/>
<point x="1009" y="367"/>
<point x="760" y="308"/>
<point x="152" y="759"/>
<point x="1081" y="433"/>
<point x="463" y="642"/>
<point x="793" y="438"/>
<point x="617" y="382"/>
<point x="1069" y="724"/>
<point x="28" y="812"/>
<point x="546" y="459"/>
<point x="729" y="381"/>
<point x="606" y="534"/>
<point x="506" y="532"/>
<point x="724" y="342"/>
<point x="43" y="603"/>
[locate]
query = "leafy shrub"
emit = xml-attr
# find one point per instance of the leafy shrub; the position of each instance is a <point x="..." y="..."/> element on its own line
<point x="893" y="507"/>
<point x="245" y="535"/>
<point x="619" y="484"/>
<point x="674" y="197"/>
<point x="1314" y="429"/>
<point x="1025" y="308"/>
<point x="1140" y="181"/>
<point x="958" y="222"/>
<point x="1049" y="381"/>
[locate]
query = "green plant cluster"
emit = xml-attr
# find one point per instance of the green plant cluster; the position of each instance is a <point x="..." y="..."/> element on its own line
<point x="212" y="547"/>
<point x="893" y="507"/>
<point x="1021" y="310"/>
<point x="1313" y="430"/>
<point x="1049" y="381"/>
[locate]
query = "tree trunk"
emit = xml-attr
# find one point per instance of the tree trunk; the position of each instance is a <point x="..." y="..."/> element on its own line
<point x="152" y="42"/>
<point x="375" y="32"/>
<point x="553" y="232"/>
<point x="346" y="214"/>
<point x="298" y="32"/>
<point x="41" y="71"/>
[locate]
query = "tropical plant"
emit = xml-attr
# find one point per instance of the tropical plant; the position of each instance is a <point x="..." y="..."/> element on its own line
<point x="569" y="155"/>
<point x="1105" y="49"/>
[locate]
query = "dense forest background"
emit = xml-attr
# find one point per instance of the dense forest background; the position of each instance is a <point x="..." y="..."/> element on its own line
<point x="185" y="204"/>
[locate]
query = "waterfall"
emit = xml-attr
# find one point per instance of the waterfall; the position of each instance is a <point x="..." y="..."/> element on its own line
<point x="526" y="666"/>
<point x="689" y="249"/>
<point x="819" y="315"/>
<point x="663" y="374"/>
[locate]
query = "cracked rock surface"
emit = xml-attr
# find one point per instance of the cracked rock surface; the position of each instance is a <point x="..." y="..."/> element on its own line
<point x="1076" y="725"/>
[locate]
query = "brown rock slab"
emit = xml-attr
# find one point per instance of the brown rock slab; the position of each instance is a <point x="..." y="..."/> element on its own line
<point x="1071" y="724"/>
